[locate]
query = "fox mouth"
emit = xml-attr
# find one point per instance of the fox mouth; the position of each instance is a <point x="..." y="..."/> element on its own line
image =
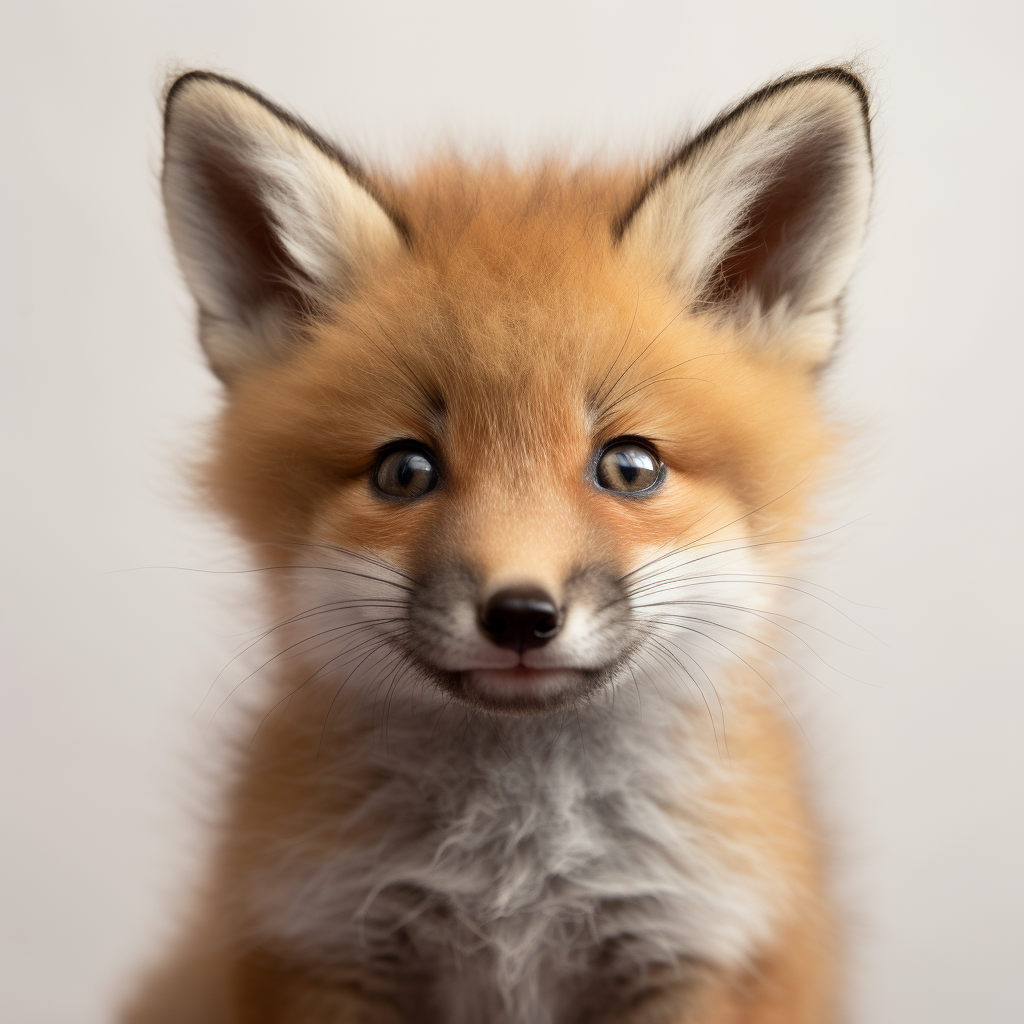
<point x="515" y="648"/>
<point x="521" y="689"/>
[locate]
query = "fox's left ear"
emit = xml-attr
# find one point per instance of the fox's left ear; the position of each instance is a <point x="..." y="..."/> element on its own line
<point x="760" y="217"/>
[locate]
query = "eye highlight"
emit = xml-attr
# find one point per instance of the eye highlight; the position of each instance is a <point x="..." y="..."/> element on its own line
<point x="629" y="467"/>
<point x="405" y="472"/>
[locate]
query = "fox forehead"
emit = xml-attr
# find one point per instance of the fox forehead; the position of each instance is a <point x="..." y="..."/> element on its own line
<point x="512" y="322"/>
<point x="505" y="313"/>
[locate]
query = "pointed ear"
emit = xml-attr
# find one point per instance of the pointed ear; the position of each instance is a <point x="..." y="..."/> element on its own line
<point x="760" y="218"/>
<point x="268" y="220"/>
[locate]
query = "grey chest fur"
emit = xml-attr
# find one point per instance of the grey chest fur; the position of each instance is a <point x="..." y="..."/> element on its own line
<point x="528" y="869"/>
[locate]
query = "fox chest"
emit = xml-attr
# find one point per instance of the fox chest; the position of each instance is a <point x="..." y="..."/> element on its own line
<point x="524" y="895"/>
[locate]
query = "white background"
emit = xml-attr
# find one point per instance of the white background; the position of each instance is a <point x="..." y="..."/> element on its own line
<point x="104" y="395"/>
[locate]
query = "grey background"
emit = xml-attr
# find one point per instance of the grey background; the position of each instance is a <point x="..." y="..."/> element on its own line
<point x="105" y="394"/>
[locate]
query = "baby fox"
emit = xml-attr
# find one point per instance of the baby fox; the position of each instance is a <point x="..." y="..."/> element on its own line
<point x="524" y="455"/>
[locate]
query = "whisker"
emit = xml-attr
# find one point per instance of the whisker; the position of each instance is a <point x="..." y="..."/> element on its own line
<point x="765" y="617"/>
<point x="597" y="399"/>
<point x="752" y="579"/>
<point x="264" y="568"/>
<point x="384" y="641"/>
<point x="757" y="640"/>
<point x="298" y="617"/>
<point x="739" y="519"/>
<point x="351" y="627"/>
<point x="700" y="690"/>
<point x="656" y="378"/>
<point x="353" y="553"/>
<point x="641" y="354"/>
<point x="725" y="647"/>
<point x="348" y="627"/>
<point x="747" y="545"/>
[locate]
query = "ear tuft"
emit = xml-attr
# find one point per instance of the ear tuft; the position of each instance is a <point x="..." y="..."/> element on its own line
<point x="269" y="221"/>
<point x="760" y="217"/>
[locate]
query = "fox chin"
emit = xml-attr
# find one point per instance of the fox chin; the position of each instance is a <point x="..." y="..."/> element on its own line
<point x="523" y="456"/>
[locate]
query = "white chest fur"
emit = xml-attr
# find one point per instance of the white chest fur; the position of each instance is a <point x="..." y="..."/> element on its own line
<point x="521" y="860"/>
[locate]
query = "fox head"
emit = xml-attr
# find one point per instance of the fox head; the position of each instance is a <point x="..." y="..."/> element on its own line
<point x="522" y="435"/>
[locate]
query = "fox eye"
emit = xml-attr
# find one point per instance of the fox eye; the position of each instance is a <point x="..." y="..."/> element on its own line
<point x="629" y="467"/>
<point x="405" y="473"/>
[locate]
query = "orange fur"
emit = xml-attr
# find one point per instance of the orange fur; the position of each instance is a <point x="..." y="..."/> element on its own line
<point x="515" y="316"/>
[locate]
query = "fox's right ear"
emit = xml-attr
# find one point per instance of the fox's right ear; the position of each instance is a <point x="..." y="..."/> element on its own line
<point x="268" y="220"/>
<point x="759" y="219"/>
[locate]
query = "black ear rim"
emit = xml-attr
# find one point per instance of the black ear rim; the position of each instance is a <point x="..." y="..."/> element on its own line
<point x="347" y="164"/>
<point x="836" y="73"/>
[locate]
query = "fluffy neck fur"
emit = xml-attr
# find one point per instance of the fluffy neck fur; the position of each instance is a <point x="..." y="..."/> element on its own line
<point x="524" y="865"/>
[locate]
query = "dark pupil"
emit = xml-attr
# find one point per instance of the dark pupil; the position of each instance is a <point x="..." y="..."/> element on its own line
<point x="410" y="467"/>
<point x="629" y="464"/>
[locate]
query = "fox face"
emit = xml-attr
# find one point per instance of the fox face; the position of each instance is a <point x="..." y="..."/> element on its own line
<point x="522" y="438"/>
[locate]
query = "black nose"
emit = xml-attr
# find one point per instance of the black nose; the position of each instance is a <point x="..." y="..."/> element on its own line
<point x="520" y="617"/>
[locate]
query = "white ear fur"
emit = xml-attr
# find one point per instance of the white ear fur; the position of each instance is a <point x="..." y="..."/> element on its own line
<point x="761" y="216"/>
<point x="267" y="219"/>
